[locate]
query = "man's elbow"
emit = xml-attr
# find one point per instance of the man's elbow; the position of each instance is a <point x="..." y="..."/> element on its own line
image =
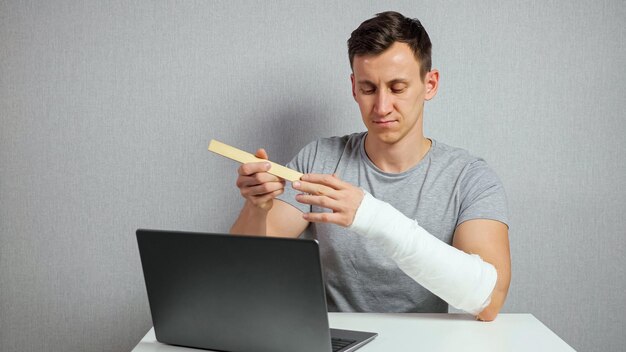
<point x="488" y="314"/>
<point x="491" y="311"/>
<point x="498" y="297"/>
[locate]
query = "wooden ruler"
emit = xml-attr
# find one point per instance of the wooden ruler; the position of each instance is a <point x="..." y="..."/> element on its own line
<point x="245" y="157"/>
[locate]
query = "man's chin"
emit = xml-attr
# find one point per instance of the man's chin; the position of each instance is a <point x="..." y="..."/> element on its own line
<point x="385" y="138"/>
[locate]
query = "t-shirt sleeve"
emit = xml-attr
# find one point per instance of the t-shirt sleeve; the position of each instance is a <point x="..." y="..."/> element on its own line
<point x="482" y="195"/>
<point x="302" y="162"/>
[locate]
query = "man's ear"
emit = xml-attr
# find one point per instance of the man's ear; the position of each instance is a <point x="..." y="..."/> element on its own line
<point x="353" y="86"/>
<point x="431" y="83"/>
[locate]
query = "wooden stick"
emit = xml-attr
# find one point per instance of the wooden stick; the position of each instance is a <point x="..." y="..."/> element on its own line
<point x="245" y="157"/>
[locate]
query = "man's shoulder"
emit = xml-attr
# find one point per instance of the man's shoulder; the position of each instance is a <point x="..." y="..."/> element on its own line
<point x="470" y="170"/>
<point x="349" y="140"/>
<point x="450" y="155"/>
<point x="323" y="154"/>
<point x="336" y="144"/>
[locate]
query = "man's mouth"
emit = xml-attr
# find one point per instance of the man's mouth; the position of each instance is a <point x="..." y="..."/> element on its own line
<point x="384" y="123"/>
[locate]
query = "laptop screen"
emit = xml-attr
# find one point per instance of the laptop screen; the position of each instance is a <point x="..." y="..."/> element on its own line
<point x="235" y="293"/>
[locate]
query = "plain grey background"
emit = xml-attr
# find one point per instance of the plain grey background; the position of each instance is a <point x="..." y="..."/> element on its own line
<point x="107" y="108"/>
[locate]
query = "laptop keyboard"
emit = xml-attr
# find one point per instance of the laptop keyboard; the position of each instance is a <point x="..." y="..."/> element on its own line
<point x="338" y="344"/>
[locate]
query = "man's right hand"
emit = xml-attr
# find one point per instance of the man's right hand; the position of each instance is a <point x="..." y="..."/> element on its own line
<point x="258" y="186"/>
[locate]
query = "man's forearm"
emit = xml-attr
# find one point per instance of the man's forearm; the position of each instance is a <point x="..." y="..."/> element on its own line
<point x="251" y="221"/>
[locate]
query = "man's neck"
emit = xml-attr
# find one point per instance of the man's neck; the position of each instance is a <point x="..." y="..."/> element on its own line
<point x="397" y="157"/>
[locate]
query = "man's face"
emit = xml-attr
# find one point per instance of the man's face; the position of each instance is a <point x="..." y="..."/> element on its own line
<point x="390" y="93"/>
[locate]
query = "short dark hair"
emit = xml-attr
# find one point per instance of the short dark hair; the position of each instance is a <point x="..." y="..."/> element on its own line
<point x="379" y="33"/>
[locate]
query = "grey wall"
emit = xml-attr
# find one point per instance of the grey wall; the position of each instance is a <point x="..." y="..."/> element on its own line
<point x="106" y="110"/>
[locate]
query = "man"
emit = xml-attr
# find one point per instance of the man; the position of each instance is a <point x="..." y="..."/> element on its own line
<point x="405" y="223"/>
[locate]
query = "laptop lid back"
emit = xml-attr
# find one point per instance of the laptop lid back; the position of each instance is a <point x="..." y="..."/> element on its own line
<point x="235" y="293"/>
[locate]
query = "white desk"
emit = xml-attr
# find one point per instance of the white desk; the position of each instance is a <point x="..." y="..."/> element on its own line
<point x="430" y="332"/>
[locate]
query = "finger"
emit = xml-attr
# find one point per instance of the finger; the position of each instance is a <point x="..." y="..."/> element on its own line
<point x="324" y="179"/>
<point x="323" y="201"/>
<point x="314" y="189"/>
<point x="262" y="189"/>
<point x="248" y="169"/>
<point x="257" y="179"/>
<point x="261" y="153"/>
<point x="268" y="196"/>
<point x="333" y="218"/>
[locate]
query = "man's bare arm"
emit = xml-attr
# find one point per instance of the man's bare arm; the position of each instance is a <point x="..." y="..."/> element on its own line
<point x="282" y="220"/>
<point x="490" y="240"/>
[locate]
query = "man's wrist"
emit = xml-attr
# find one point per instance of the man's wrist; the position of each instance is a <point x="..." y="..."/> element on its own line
<point x="365" y="214"/>
<point x="257" y="209"/>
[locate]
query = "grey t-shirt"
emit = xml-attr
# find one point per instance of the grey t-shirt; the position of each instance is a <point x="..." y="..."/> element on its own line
<point x="447" y="187"/>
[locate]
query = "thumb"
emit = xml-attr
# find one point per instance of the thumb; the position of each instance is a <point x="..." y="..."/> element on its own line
<point x="261" y="153"/>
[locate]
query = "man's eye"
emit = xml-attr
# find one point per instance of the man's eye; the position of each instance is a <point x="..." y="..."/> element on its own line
<point x="398" y="90"/>
<point x="367" y="91"/>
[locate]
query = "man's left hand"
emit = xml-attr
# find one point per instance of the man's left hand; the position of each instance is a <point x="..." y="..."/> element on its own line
<point x="328" y="191"/>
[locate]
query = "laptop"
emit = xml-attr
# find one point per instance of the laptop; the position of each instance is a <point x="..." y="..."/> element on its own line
<point x="239" y="293"/>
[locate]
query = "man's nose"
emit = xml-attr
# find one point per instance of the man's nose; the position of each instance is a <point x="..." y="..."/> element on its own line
<point x="383" y="105"/>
